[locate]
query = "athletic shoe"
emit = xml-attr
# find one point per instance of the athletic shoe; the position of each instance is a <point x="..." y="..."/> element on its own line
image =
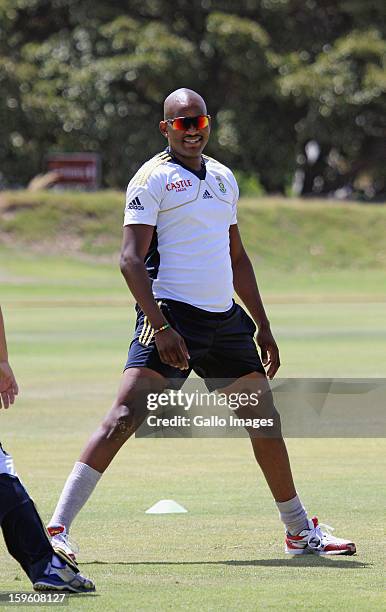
<point x="60" y="541"/>
<point x="62" y="575"/>
<point x="314" y="540"/>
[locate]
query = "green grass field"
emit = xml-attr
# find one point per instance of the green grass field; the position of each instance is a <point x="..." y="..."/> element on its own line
<point x="69" y="322"/>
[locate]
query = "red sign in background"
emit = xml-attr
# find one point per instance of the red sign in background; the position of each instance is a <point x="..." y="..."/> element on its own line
<point x="74" y="170"/>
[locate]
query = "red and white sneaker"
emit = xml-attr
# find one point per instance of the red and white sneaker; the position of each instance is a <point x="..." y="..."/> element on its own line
<point x="316" y="541"/>
<point x="60" y="541"/>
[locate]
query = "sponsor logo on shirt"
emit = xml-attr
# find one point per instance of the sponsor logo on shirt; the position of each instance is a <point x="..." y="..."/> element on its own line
<point x="134" y="205"/>
<point x="178" y="186"/>
<point x="221" y="184"/>
<point x="206" y="195"/>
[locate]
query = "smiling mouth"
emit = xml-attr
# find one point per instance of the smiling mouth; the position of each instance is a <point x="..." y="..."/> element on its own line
<point x="192" y="140"/>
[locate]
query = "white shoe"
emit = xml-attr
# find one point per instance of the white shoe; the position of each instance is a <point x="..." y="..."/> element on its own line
<point x="62" y="575"/>
<point x="318" y="542"/>
<point x="60" y="540"/>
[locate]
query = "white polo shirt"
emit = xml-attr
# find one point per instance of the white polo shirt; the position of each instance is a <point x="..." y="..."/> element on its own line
<point x="189" y="257"/>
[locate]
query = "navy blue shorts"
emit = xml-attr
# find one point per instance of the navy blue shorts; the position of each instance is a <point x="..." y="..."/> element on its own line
<point x="221" y="344"/>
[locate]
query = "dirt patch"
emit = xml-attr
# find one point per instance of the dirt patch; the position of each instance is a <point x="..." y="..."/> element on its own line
<point x="65" y="244"/>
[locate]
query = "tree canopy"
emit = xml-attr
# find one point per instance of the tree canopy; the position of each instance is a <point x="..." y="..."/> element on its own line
<point x="295" y="88"/>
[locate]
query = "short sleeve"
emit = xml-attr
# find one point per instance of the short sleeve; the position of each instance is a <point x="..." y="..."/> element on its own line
<point x="143" y="201"/>
<point x="235" y="200"/>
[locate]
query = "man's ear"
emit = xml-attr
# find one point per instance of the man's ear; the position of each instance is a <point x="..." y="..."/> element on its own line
<point x="163" y="128"/>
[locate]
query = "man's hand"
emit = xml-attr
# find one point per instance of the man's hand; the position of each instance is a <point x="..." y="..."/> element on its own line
<point x="8" y="385"/>
<point x="172" y="349"/>
<point x="269" y="350"/>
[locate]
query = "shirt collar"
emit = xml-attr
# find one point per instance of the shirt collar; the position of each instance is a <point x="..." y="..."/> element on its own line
<point x="200" y="174"/>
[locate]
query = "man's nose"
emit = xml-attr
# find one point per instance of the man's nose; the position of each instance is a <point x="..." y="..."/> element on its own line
<point x="191" y="129"/>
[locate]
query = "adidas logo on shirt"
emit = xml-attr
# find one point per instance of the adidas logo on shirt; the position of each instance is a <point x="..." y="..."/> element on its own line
<point x="134" y="205"/>
<point x="206" y="195"/>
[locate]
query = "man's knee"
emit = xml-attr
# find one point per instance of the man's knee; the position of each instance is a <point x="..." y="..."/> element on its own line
<point x="123" y="419"/>
<point x="130" y="408"/>
<point x="262" y="422"/>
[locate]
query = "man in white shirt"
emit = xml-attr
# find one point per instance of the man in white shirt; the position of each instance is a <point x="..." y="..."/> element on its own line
<point x="182" y="258"/>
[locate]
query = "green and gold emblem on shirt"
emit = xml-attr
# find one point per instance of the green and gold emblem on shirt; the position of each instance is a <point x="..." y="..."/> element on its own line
<point x="221" y="184"/>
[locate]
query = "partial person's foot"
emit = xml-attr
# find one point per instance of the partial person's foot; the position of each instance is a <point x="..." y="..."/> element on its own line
<point x="63" y="575"/>
<point x="60" y="541"/>
<point x="316" y="541"/>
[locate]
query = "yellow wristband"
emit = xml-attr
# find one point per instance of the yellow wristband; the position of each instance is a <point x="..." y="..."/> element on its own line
<point x="162" y="328"/>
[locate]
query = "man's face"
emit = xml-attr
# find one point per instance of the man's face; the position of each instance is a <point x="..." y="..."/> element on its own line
<point x="191" y="141"/>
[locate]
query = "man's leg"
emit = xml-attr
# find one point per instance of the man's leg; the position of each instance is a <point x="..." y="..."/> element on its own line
<point x="268" y="445"/>
<point x="303" y="535"/>
<point x="125" y="416"/>
<point x="270" y="450"/>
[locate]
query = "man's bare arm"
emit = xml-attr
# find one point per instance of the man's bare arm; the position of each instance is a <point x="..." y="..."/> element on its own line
<point x="136" y="241"/>
<point x="8" y="384"/>
<point x="244" y="282"/>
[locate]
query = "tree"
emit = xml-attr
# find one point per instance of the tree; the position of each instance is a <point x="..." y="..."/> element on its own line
<point x="277" y="76"/>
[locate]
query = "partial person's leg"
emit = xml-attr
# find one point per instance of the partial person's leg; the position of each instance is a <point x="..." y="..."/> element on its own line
<point x="123" y="419"/>
<point x="27" y="542"/>
<point x="24" y="534"/>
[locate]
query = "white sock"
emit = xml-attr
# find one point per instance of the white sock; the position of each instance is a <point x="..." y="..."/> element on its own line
<point x="293" y="515"/>
<point x="78" y="488"/>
